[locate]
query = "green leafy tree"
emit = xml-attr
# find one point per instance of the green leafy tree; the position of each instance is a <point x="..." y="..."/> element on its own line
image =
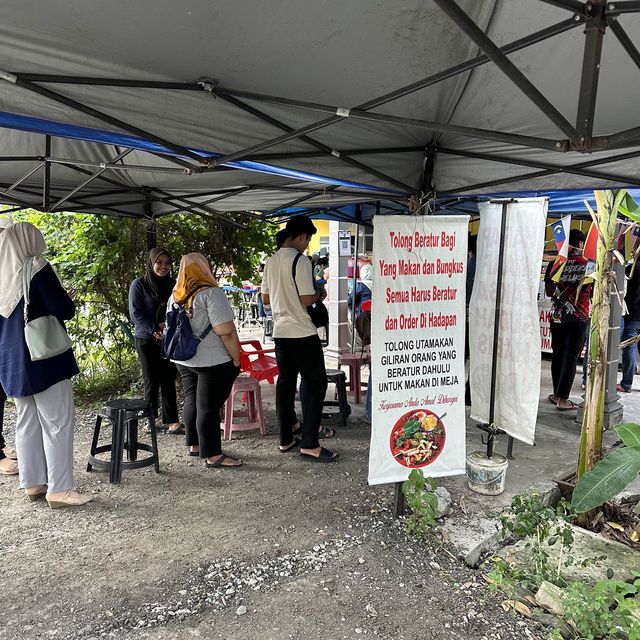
<point x="97" y="258"/>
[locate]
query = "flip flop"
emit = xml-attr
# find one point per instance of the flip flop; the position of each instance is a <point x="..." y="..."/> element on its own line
<point x="298" y="431"/>
<point x="571" y="408"/>
<point x="326" y="432"/>
<point x="294" y="445"/>
<point x="325" y="456"/>
<point x="10" y="453"/>
<point x="177" y="432"/>
<point x="551" y="398"/>
<point x="218" y="464"/>
<point x="194" y="454"/>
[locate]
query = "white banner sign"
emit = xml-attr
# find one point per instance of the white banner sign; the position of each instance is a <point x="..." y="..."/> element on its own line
<point x="518" y="357"/>
<point x="417" y="347"/>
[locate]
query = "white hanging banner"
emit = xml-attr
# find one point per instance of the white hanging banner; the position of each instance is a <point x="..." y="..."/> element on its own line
<point x="518" y="358"/>
<point x="417" y="347"/>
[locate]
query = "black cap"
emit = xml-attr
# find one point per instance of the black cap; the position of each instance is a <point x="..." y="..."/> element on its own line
<point x="299" y="225"/>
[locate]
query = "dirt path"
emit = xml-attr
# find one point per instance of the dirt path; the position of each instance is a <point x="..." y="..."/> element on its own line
<point x="278" y="549"/>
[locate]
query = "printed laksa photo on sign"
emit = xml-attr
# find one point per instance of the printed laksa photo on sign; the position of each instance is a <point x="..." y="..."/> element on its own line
<point x="418" y="347"/>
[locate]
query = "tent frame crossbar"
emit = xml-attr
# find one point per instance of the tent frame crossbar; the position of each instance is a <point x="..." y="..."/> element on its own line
<point x="327" y="151"/>
<point x="538" y="174"/>
<point x="480" y="38"/>
<point x="595" y="15"/>
<point x="579" y="169"/>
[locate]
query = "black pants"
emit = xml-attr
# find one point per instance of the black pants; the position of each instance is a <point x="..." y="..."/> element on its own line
<point x="302" y="356"/>
<point x="567" y="339"/>
<point x="206" y="389"/>
<point x="3" y="399"/>
<point x="157" y="374"/>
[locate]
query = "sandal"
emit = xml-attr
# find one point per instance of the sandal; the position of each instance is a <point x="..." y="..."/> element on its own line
<point x="553" y="399"/>
<point x="218" y="464"/>
<point x="298" y="431"/>
<point x="10" y="453"/>
<point x="325" y="433"/>
<point x="194" y="454"/>
<point x="324" y="456"/>
<point x="571" y="408"/>
<point x="294" y="445"/>
<point x="8" y="467"/>
<point x="179" y="431"/>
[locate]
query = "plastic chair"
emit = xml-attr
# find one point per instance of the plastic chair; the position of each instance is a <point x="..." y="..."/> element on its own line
<point x="355" y="361"/>
<point x="255" y="361"/>
<point x="250" y="388"/>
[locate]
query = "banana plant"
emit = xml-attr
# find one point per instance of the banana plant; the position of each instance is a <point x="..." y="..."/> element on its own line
<point x="612" y="474"/>
<point x="605" y="217"/>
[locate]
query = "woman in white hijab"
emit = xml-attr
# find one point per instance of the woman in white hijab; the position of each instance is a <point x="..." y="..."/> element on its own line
<point x="8" y="457"/>
<point x="41" y="389"/>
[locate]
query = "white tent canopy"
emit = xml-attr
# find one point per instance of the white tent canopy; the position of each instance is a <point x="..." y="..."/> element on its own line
<point x="156" y="106"/>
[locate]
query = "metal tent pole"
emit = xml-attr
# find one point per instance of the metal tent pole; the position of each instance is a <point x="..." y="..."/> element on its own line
<point x="496" y="331"/>
<point x="355" y="281"/>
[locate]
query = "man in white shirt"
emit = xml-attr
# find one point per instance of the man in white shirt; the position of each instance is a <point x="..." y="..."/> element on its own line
<point x="298" y="347"/>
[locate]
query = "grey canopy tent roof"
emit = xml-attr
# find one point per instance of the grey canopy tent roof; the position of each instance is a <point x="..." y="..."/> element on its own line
<point x="148" y="107"/>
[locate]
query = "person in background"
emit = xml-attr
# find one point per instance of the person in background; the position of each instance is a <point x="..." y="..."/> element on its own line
<point x="570" y="310"/>
<point x="631" y="328"/>
<point x="8" y="457"/>
<point x="362" y="291"/>
<point x="322" y="268"/>
<point x="41" y="389"/>
<point x="298" y="347"/>
<point x="209" y="375"/>
<point x="148" y="298"/>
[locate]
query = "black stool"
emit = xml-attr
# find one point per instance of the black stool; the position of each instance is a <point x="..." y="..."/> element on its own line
<point x="339" y="378"/>
<point x="268" y="328"/>
<point x="124" y="415"/>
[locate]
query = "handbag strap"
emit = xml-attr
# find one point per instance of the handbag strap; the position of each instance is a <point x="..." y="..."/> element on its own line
<point x="293" y="272"/>
<point x="27" y="269"/>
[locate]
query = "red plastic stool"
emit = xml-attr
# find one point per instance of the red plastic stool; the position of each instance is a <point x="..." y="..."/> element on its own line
<point x="250" y="388"/>
<point x="355" y="362"/>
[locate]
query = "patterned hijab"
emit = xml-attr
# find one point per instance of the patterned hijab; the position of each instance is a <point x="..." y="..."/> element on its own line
<point x="18" y="243"/>
<point x="195" y="273"/>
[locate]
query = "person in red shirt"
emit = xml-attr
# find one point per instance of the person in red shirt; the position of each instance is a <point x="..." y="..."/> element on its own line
<point x="569" y="316"/>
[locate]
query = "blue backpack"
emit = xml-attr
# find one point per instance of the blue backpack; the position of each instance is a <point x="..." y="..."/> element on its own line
<point x="178" y="341"/>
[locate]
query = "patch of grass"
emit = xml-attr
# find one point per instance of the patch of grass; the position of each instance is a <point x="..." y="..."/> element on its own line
<point x="102" y="381"/>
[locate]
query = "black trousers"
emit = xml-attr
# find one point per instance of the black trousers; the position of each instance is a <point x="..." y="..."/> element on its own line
<point x="3" y="399"/>
<point x="302" y="356"/>
<point x="206" y="389"/>
<point x="158" y="374"/>
<point x="567" y="339"/>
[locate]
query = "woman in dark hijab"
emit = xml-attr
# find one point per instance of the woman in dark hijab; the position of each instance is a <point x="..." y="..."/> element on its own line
<point x="148" y="298"/>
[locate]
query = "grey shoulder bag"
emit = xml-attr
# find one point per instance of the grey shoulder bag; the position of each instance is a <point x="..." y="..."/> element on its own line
<point x="45" y="336"/>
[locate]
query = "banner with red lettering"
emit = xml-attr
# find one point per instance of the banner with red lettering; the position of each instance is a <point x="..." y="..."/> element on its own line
<point x="518" y="354"/>
<point x="417" y="347"/>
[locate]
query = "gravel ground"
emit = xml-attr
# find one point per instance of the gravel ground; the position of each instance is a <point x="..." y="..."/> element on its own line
<point x="278" y="549"/>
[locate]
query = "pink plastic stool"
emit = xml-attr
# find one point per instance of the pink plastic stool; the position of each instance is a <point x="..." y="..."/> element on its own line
<point x="355" y="362"/>
<point x="250" y="389"/>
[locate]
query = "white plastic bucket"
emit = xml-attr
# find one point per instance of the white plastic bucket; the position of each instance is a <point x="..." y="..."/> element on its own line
<point x="486" y="475"/>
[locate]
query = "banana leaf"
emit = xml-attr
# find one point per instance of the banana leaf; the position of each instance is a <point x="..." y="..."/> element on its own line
<point x="629" y="433"/>
<point x="629" y="208"/>
<point x="608" y="477"/>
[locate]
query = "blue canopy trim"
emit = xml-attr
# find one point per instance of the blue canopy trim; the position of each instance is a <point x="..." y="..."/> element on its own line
<point x="88" y="134"/>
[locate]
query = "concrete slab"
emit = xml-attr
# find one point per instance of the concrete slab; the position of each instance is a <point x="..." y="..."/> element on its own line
<point x="623" y="560"/>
